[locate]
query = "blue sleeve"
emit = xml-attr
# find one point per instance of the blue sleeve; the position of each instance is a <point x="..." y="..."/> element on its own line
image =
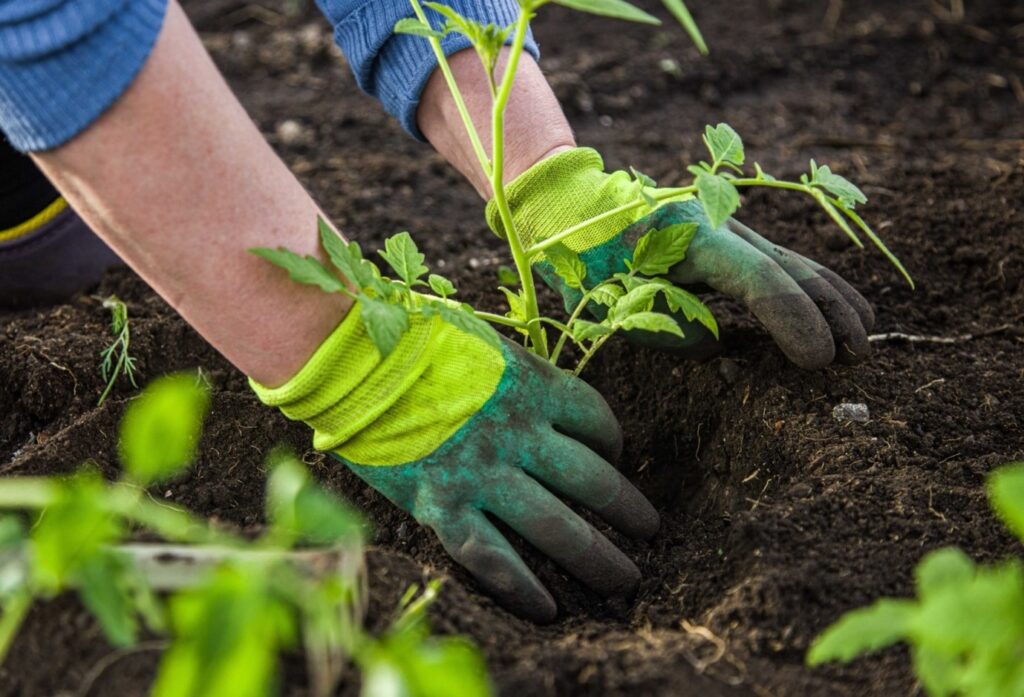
<point x="64" y="62"/>
<point x="394" y="68"/>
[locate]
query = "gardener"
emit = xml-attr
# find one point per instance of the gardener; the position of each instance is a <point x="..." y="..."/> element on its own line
<point x="120" y="108"/>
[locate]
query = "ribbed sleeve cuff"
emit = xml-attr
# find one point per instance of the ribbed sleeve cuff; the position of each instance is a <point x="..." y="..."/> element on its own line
<point x="53" y="85"/>
<point x="395" y="68"/>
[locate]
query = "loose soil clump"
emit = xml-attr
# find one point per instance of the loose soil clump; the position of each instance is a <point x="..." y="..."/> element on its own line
<point x="777" y="518"/>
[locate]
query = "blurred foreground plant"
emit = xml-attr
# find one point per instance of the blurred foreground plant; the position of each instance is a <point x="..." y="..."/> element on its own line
<point x="966" y="626"/>
<point x="229" y="605"/>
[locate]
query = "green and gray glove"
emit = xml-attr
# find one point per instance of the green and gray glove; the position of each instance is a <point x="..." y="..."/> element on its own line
<point x="451" y="428"/>
<point x="814" y="315"/>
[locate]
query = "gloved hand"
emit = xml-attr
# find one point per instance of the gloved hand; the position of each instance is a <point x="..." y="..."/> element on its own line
<point x="814" y="315"/>
<point x="449" y="428"/>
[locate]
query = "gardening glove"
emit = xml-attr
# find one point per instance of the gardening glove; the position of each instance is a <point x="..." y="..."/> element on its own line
<point x="452" y="428"/>
<point x="814" y="315"/>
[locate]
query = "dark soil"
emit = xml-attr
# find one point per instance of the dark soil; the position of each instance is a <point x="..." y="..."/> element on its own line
<point x="776" y="517"/>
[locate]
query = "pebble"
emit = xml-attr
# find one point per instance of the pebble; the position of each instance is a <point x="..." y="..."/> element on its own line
<point x="729" y="370"/>
<point x="290" y="132"/>
<point x="850" y="411"/>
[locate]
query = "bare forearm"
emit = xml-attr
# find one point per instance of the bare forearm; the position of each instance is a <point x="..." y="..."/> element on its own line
<point x="535" y="126"/>
<point x="177" y="179"/>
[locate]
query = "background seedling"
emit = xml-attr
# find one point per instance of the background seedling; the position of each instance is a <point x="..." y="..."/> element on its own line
<point x="966" y="626"/>
<point x="232" y="604"/>
<point x="116" y="359"/>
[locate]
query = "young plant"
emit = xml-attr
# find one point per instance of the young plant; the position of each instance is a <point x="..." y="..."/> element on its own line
<point x="966" y="626"/>
<point x="116" y="359"/>
<point x="625" y="301"/>
<point x="385" y="303"/>
<point x="229" y="605"/>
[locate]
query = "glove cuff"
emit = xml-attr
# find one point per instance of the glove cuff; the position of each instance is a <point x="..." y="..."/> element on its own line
<point x="562" y="191"/>
<point x="346" y="384"/>
<point x="389" y="411"/>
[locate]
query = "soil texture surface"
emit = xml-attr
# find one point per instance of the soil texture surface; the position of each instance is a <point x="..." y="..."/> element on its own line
<point x="777" y="517"/>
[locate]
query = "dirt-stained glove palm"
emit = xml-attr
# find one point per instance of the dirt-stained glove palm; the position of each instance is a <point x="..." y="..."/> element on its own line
<point x="451" y="428"/>
<point x="814" y="315"/>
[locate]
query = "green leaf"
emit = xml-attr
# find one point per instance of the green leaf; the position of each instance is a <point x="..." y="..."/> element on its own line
<point x="862" y="631"/>
<point x="227" y="636"/>
<point x="607" y="294"/>
<point x="516" y="304"/>
<point x="652" y="322"/>
<point x="384" y="322"/>
<point x="719" y="196"/>
<point x="639" y="299"/>
<point x="13" y="574"/>
<point x="307" y="270"/>
<point x="417" y="666"/>
<point x="401" y="254"/>
<point x="690" y="305"/>
<point x="618" y="9"/>
<point x="71" y="532"/>
<point x="567" y="264"/>
<point x="415" y="27"/>
<point x="582" y="330"/>
<point x="348" y="258"/>
<point x="724" y="144"/>
<point x="938" y="674"/>
<point x="685" y="19"/>
<point x="941" y="570"/>
<point x="464" y="319"/>
<point x="1006" y="495"/>
<point x="441" y="285"/>
<point x="508" y="277"/>
<point x="104" y="585"/>
<point x="840" y="187"/>
<point x="302" y="511"/>
<point x="659" y="250"/>
<point x="877" y="241"/>
<point x="643" y="179"/>
<point x="161" y="428"/>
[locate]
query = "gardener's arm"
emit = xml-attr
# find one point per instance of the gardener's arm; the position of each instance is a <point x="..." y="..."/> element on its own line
<point x="179" y="181"/>
<point x="451" y="426"/>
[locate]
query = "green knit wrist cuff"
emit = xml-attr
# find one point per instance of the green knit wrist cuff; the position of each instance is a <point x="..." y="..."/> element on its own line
<point x="563" y="191"/>
<point x="347" y="385"/>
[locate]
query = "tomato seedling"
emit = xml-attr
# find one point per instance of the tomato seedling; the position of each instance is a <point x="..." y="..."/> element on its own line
<point x="628" y="298"/>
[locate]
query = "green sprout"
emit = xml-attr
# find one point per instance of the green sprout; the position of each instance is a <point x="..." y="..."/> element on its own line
<point x="116" y="359"/>
<point x="966" y="626"/>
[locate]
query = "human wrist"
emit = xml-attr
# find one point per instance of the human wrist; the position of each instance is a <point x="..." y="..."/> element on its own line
<point x="535" y="126"/>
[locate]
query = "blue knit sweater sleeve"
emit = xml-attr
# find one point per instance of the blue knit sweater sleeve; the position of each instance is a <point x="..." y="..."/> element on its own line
<point x="64" y="62"/>
<point x="395" y="68"/>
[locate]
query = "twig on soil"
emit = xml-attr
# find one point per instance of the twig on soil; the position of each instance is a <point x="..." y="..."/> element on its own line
<point x="110" y="659"/>
<point x="928" y="339"/>
<point x="936" y="381"/>
<point x="700" y="665"/>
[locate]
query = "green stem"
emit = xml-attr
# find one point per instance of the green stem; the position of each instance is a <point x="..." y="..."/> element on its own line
<point x="658" y="195"/>
<point x="453" y="88"/>
<point x="594" y="348"/>
<point x="500" y="319"/>
<point x="23" y="493"/>
<point x="580" y="306"/>
<point x="538" y="338"/>
<point x="14" y="612"/>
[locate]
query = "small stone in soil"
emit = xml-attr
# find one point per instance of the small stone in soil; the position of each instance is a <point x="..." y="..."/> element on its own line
<point x="848" y="411"/>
